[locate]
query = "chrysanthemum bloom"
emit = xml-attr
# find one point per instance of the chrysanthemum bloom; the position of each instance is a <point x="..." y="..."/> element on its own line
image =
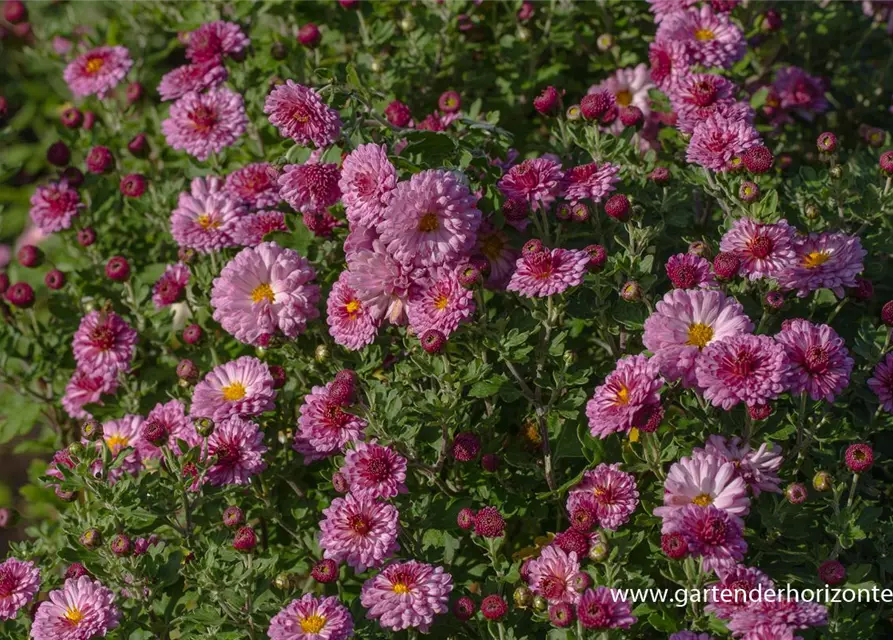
<point x="171" y="286"/>
<point x="832" y="572"/>
<point x="310" y="187"/>
<point x="172" y="416"/>
<point x="121" y="434"/>
<point x="375" y="470"/>
<point x="764" y="250"/>
<point x="206" y="218"/>
<point x="239" y="449"/>
<point x="688" y="271"/>
<point x="881" y="382"/>
<point x="551" y="575"/>
<point x="627" y="398"/>
<point x="264" y="291"/>
<point x="859" y="458"/>
<point x="663" y="8"/>
<point x="801" y="92"/>
<point x="382" y="283"/>
<point x="757" y="467"/>
<point x="82" y="609"/>
<point x="489" y="523"/>
<point x="494" y="245"/>
<point x="300" y="114"/>
<point x="360" y="531"/>
<point x="717" y="140"/>
<point x="87" y="387"/>
<point x="823" y="260"/>
<point x="443" y="306"/>
<point x="591" y="182"/>
<point x="54" y="206"/>
<point x="614" y="493"/>
<point x="367" y="183"/>
<point x="669" y="63"/>
<point x="250" y="230"/>
<point x="256" y="184"/>
<point x="732" y="593"/>
<point x="432" y="220"/>
<point x="351" y="324"/>
<point x="573" y="541"/>
<point x="19" y="582"/>
<point x="819" y="361"/>
<point x="97" y="71"/>
<point x="190" y="77"/>
<point x="324" y="427"/>
<point x="703" y="480"/>
<point x="630" y="87"/>
<point x="312" y="618"/>
<point x="712" y="534"/>
<point x="684" y="323"/>
<point x="604" y="608"/>
<point x="698" y="96"/>
<point x="537" y="181"/>
<point x="211" y="41"/>
<point x="548" y="272"/>
<point x="103" y="343"/>
<point x="466" y="446"/>
<point x="241" y="387"/>
<point x="205" y="123"/>
<point x="711" y="39"/>
<point x="407" y="595"/>
<point x="779" y="610"/>
<point x="742" y="368"/>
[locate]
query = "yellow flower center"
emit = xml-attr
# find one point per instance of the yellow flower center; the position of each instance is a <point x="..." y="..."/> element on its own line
<point x="401" y="587"/>
<point x="703" y="35"/>
<point x="429" y="223"/>
<point x="699" y="335"/>
<point x="623" y="98"/>
<point x="352" y="307"/>
<point x="816" y="259"/>
<point x="263" y="292"/>
<point x="622" y="395"/>
<point x="234" y="391"/>
<point x="441" y="302"/>
<point x="313" y="624"/>
<point x="205" y="221"/>
<point x="74" y="615"/>
<point x="702" y="500"/>
<point x="94" y="64"/>
<point x="116" y="443"/>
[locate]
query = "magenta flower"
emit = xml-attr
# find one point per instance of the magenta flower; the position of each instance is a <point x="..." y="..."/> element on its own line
<point x="239" y="447"/>
<point x="85" y="388"/>
<point x="19" y="582"/>
<point x="698" y="96"/>
<point x="819" y="361"/>
<point x="442" y="306"/>
<point x="310" y="187"/>
<point x="551" y="575"/>
<point x="312" y="618"/>
<point x="591" y="182"/>
<point x="630" y="87"/>
<point x="711" y="39"/>
<point x="122" y="434"/>
<point x="757" y="467"/>
<point x="823" y="260"/>
<point x="407" y="595"/>
<point x="97" y="71"/>
<point x="537" y="181"/>
<point x="171" y="286"/>
<point x="764" y="250"/>
<point x="881" y="382"/>
<point x="548" y="272"/>
<point x="190" y="78"/>
<point x="375" y="471"/>
<point x="801" y="92"/>
<point x="172" y="416"/>
<point x="742" y="368"/>
<point x="360" y="531"/>
<point x="663" y="8"/>
<point x="300" y="114"/>
<point x="324" y="427"/>
<point x="604" y="608"/>
<point x="211" y="41"/>
<point x="368" y="180"/>
<point x="54" y="207"/>
<point x="628" y="397"/>
<point x="778" y="611"/>
<point x="251" y="230"/>
<point x="204" y="123"/>
<point x="613" y="492"/>
<point x="732" y="592"/>
<point x="669" y="63"/>
<point x="688" y="271"/>
<point x="703" y="480"/>
<point x="206" y="218"/>
<point x="382" y="283"/>
<point x="104" y="343"/>
<point x="81" y="610"/>
<point x="241" y="387"/>
<point x="350" y="323"/>
<point x="432" y="220"/>
<point x="717" y="140"/>
<point x="256" y="184"/>
<point x="712" y="534"/>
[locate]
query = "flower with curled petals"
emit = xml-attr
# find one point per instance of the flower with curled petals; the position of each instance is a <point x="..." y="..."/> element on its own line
<point x="407" y="595"/>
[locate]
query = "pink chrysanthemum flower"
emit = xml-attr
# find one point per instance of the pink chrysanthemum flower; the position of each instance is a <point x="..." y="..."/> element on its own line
<point x="407" y="595"/>
<point x="703" y="480"/>
<point x="669" y="63"/>
<point x="86" y="387"/>
<point x="204" y="123"/>
<point x="251" y="230"/>
<point x="717" y="140"/>
<point x="801" y="92"/>
<point x="368" y="180"/>
<point x="171" y="286"/>
<point x="121" y="434"/>
<point x="732" y="592"/>
<point x="688" y="271"/>
<point x="172" y="416"/>
<point x="536" y="181"/>
<point x="310" y="187"/>
<point x="628" y="397"/>
<point x="211" y="41"/>
<point x="779" y="610"/>
<point x="206" y="219"/>
<point x="375" y="471"/>
<point x="241" y="387"/>
<point x="324" y="425"/>
<point x="359" y="530"/>
<point x="103" y="343"/>
<point x="698" y="96"/>
<point x="742" y="368"/>
<point x="19" y="582"/>
<point x="591" y="182"/>
<point x="54" y="206"/>
<point x="382" y="283"/>
<point x="711" y="39"/>
<point x="881" y="382"/>
<point x="684" y="323"/>
<point x="432" y="220"/>
<point x="548" y="272"/>
<point x="819" y="361"/>
<point x="823" y="260"/>
<point x="256" y="184"/>
<point x="239" y="447"/>
<point x="604" y="608"/>
<point x="443" y="305"/>
<point x="190" y="77"/>
<point x="764" y="250"/>
<point x="630" y="88"/>
<point x="663" y="8"/>
<point x="312" y="618"/>
<point x="300" y="114"/>
<point x="494" y="245"/>
<point x="97" y="71"/>
<point x="712" y="534"/>
<point x="614" y="492"/>
<point x="551" y="575"/>
<point x="265" y="291"/>
<point x="350" y="322"/>
<point x="82" y="609"/>
<point x="757" y="467"/>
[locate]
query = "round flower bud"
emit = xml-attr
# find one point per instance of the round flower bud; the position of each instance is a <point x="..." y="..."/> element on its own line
<point x="469" y="276"/>
<point x="192" y="334"/>
<point x="748" y="191"/>
<point x="65" y="496"/>
<point x="325" y="571"/>
<point x="398" y="114"/>
<point x="278" y="51"/>
<point x="433" y="341"/>
<point x="864" y="289"/>
<point x="875" y="137"/>
<point x="75" y="570"/>
<point x="134" y="92"/>
<point x="597" y="257"/>
<point x="283" y="581"/>
<point x="859" y="457"/>
<point x="579" y="212"/>
<point x="674" y="546"/>
<point x="466" y="446"/>
<point x="99" y="160"/>
<point x="91" y="430"/>
<point x="599" y="551"/>
<point x="827" y="142"/>
<point x="133" y="185"/>
<point x="72" y="118"/>
<point x="321" y="354"/>
<point x="523" y="597"/>
<point x="73" y="176"/>
<point x="604" y="42"/>
<point x="548" y="102"/>
<point x="489" y="523"/>
<point x="660" y="175"/>
<point x="30" y="256"/>
<point x="117" y="269"/>
<point x="233" y="516"/>
<point x="139" y="145"/>
<point x="562" y="615"/>
<point x="86" y="237"/>
<point x="309" y="35"/>
<point x="771" y="21"/>
<point x="532" y="246"/>
<point x="580" y="581"/>
<point x="186" y="370"/>
<point x="20" y="295"/>
<point x="774" y="300"/>
<point x="493" y="607"/>
<point x="58" y="154"/>
<point x="279" y="376"/>
<point x="155" y="433"/>
<point x="886" y="162"/>
<point x="887" y="313"/>
<point x="120" y="545"/>
<point x="540" y="604"/>
<point x="631" y="291"/>
<point x="759" y="412"/>
<point x="464" y="608"/>
<point x="15" y="11"/>
<point x="342" y="392"/>
<point x="91" y="539"/>
<point x="245" y="540"/>
<point x="631" y="116"/>
<point x="490" y="462"/>
<point x="758" y="159"/>
<point x="54" y="279"/>
<point x="822" y="481"/>
<point x="204" y="427"/>
<point x="832" y="572"/>
<point x="836" y="172"/>
<point x="465" y="519"/>
<point x="574" y="112"/>
<point x="449" y="102"/>
<point x="795" y="493"/>
<point x="89" y="120"/>
<point x="595" y="105"/>
<point x="726" y="265"/>
<point x="340" y="483"/>
<point x="4" y="282"/>
<point x="617" y="207"/>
